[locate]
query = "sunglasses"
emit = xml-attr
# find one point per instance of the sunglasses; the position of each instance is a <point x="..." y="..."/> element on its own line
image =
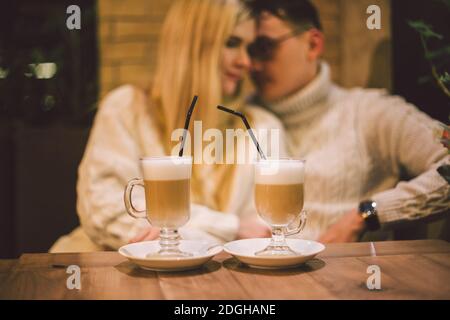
<point x="264" y="48"/>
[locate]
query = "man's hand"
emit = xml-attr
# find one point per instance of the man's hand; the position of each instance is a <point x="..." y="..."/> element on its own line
<point x="252" y="227"/>
<point x="346" y="229"/>
<point x="149" y="233"/>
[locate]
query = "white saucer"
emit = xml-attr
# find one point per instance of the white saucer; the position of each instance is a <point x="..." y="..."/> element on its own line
<point x="244" y="251"/>
<point x="202" y="252"/>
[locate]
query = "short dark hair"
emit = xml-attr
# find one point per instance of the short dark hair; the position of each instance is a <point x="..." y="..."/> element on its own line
<point x="297" y="12"/>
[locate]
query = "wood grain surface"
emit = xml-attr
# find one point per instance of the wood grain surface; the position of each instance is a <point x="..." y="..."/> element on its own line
<point x="409" y="270"/>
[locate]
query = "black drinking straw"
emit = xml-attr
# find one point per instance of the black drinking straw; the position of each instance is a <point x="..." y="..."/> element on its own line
<point x="186" y="125"/>
<point x="247" y="125"/>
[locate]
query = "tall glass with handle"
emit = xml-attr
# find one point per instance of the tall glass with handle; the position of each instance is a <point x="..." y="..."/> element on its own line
<point x="167" y="198"/>
<point x="279" y="197"/>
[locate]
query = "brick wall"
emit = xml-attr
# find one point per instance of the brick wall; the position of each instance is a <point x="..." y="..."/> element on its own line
<point x="365" y="55"/>
<point x="351" y="48"/>
<point x="129" y="29"/>
<point x="329" y="11"/>
<point x="128" y="35"/>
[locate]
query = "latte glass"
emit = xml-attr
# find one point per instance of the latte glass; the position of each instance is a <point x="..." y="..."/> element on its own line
<point x="279" y="197"/>
<point x="167" y="199"/>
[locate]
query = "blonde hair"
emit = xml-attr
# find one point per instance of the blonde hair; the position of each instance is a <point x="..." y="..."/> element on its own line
<point x="192" y="38"/>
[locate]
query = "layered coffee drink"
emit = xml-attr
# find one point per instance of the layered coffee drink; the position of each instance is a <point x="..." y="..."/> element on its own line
<point x="280" y="204"/>
<point x="167" y="192"/>
<point x="279" y="191"/>
<point x="279" y="195"/>
<point x="167" y="199"/>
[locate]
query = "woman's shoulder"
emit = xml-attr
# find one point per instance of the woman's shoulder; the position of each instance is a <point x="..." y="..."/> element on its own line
<point x="128" y="107"/>
<point x="125" y="100"/>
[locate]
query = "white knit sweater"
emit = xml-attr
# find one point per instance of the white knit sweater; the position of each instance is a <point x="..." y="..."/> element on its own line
<point x="358" y="145"/>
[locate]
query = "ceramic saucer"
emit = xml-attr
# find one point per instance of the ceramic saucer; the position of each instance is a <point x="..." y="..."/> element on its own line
<point x="244" y="251"/>
<point x="143" y="254"/>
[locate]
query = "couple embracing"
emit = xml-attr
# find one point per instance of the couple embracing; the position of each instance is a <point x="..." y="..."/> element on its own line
<point x="358" y="144"/>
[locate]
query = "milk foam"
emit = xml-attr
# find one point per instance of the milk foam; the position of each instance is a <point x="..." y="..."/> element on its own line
<point x="279" y="172"/>
<point x="167" y="168"/>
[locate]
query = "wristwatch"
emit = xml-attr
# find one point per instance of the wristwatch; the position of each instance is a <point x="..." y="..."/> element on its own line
<point x="368" y="210"/>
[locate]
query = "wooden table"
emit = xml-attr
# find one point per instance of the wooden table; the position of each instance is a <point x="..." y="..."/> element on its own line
<point x="409" y="270"/>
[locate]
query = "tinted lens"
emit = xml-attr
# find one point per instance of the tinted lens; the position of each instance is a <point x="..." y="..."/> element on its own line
<point x="262" y="48"/>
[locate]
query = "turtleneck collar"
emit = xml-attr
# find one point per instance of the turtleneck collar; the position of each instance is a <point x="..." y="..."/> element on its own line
<point x="302" y="103"/>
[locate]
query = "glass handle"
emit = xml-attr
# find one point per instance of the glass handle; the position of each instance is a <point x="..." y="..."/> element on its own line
<point x="303" y="217"/>
<point x="127" y="199"/>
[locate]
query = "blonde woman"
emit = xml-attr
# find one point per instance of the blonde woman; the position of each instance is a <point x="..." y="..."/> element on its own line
<point x="203" y="51"/>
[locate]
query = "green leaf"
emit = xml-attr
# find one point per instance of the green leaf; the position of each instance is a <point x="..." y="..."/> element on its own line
<point x="445" y="78"/>
<point x="424" y="29"/>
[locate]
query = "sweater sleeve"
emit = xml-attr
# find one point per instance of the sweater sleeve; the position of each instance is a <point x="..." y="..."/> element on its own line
<point x="404" y="139"/>
<point x="111" y="159"/>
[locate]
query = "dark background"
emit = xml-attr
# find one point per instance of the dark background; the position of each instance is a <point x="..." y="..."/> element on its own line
<point x="44" y="123"/>
<point x="412" y="73"/>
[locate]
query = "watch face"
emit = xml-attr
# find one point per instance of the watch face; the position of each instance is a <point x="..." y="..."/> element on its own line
<point x="368" y="205"/>
<point x="368" y="208"/>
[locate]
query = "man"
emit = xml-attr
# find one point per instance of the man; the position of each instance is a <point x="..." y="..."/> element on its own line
<point x="358" y="143"/>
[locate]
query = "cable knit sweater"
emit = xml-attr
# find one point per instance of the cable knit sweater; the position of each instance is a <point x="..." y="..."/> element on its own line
<point x="359" y="144"/>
